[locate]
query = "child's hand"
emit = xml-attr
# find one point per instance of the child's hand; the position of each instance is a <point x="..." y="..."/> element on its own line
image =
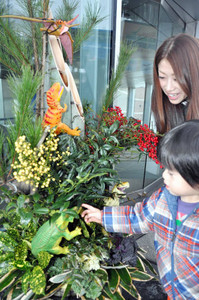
<point x="91" y="214"/>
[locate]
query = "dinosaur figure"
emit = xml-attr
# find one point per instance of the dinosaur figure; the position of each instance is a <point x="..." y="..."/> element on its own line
<point x="53" y="115"/>
<point x="58" y="28"/>
<point x="117" y="192"/>
<point x="50" y="234"/>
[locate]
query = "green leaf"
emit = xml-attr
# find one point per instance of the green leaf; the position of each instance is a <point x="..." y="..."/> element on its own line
<point x="50" y="198"/>
<point x="130" y="289"/>
<point x="114" y="280"/>
<point x="72" y="212"/>
<point x="107" y="147"/>
<point x="44" y="259"/>
<point x="84" y="166"/>
<point x="147" y="263"/>
<point x="67" y="290"/>
<point x="103" y="152"/>
<point x="21" y="251"/>
<point x="10" y="205"/>
<point x="25" y="216"/>
<point x="140" y="265"/>
<point x="7" y="279"/>
<point x="36" y="197"/>
<point x="94" y="289"/>
<point x="114" y="139"/>
<point x="95" y="145"/>
<point x="59" y="278"/>
<point x="140" y="276"/>
<point x="114" y="127"/>
<point x="20" y="201"/>
<point x="124" y="275"/>
<point x="26" y="281"/>
<point x="115" y="296"/>
<point x="102" y="274"/>
<point x="41" y="210"/>
<point x="6" y="240"/>
<point x="84" y="229"/>
<point x="38" y="281"/>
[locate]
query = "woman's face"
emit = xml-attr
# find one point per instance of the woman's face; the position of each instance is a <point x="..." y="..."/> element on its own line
<point x="169" y="84"/>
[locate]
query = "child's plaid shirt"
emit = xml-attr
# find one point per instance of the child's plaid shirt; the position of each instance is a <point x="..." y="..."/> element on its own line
<point x="177" y="252"/>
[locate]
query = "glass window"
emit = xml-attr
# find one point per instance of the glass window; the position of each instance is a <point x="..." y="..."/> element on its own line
<point x="145" y="24"/>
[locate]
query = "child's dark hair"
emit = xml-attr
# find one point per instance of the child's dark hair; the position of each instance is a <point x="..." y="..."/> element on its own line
<point x="179" y="150"/>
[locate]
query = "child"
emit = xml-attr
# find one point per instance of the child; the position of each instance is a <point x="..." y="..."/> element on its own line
<point x="172" y="213"/>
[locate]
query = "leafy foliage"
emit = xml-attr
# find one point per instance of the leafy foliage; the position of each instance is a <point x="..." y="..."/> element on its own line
<point x="85" y="176"/>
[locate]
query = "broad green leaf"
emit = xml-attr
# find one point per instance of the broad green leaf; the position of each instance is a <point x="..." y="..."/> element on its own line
<point x="7" y="240"/>
<point x="124" y="275"/>
<point x="72" y="212"/>
<point x="114" y="280"/>
<point x="147" y="263"/>
<point x="140" y="276"/>
<point x="102" y="274"/>
<point x="6" y="280"/>
<point x="59" y="278"/>
<point x="41" y="210"/>
<point x="114" y="127"/>
<point x="44" y="259"/>
<point x="140" y="265"/>
<point x="130" y="289"/>
<point x="107" y="147"/>
<point x="20" y="201"/>
<point x="103" y="152"/>
<point x="26" y="281"/>
<point x="36" y="197"/>
<point x="38" y="281"/>
<point x="21" y="251"/>
<point x="25" y="216"/>
<point x="115" y="296"/>
<point x="114" y="139"/>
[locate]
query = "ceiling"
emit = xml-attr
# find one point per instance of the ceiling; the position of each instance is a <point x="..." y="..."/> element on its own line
<point x="184" y="13"/>
<point x="187" y="10"/>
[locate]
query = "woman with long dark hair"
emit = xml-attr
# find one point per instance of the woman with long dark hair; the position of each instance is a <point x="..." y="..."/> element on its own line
<point x="175" y="96"/>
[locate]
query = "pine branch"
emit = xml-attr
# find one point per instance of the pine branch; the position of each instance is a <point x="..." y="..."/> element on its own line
<point x="12" y="38"/>
<point x="24" y="89"/>
<point x="90" y="20"/>
<point x="36" y="56"/>
<point x="9" y="67"/>
<point x="125" y="55"/>
<point x="66" y="10"/>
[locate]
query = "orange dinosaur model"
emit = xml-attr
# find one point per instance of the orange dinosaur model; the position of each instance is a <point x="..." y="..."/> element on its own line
<point x="53" y="115"/>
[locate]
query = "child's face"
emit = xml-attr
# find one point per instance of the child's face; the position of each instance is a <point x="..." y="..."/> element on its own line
<point x="177" y="186"/>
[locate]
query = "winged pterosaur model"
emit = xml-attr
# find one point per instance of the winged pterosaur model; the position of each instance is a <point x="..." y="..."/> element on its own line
<point x="58" y="28"/>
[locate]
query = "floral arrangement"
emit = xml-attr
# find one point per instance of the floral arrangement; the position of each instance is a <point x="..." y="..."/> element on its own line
<point x="131" y="132"/>
<point x="65" y="172"/>
<point x="96" y="264"/>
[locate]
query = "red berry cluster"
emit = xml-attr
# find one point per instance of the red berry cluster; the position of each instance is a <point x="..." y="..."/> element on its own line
<point x="147" y="142"/>
<point x="132" y="133"/>
<point x="114" y="114"/>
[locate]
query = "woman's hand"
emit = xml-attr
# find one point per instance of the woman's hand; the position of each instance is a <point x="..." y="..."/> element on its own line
<point x="91" y="214"/>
